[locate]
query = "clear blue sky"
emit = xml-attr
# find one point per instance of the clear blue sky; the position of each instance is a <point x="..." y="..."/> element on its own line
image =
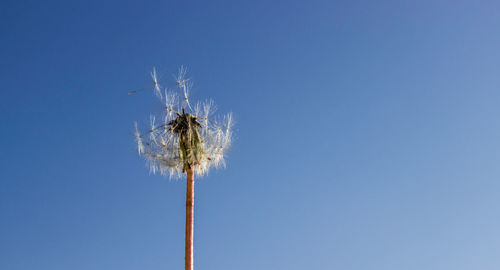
<point x="367" y="136"/>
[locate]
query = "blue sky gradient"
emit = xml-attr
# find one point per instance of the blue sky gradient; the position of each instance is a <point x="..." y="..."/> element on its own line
<point x="367" y="134"/>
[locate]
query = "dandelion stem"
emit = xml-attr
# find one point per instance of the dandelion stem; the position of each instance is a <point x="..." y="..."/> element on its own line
<point x="188" y="257"/>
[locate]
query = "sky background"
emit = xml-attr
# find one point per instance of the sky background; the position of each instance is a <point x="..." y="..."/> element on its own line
<point x="367" y="135"/>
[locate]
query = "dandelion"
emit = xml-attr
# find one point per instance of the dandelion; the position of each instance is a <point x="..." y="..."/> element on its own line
<point x="186" y="140"/>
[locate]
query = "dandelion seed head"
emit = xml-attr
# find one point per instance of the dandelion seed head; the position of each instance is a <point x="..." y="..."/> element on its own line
<point x="186" y="137"/>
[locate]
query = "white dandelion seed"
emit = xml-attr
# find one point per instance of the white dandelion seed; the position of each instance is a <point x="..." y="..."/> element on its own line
<point x="156" y="85"/>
